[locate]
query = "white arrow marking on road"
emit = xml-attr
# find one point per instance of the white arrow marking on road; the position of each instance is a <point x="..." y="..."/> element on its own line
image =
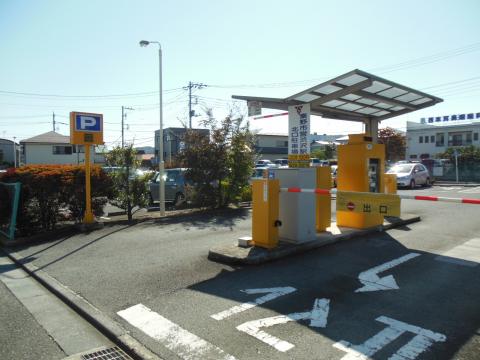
<point x="272" y="293"/>
<point x="373" y="282"/>
<point x="422" y="340"/>
<point x="318" y="318"/>
<point x="186" y="345"/>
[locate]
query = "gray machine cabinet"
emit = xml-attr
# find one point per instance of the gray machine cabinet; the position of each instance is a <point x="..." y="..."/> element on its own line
<point x="297" y="210"/>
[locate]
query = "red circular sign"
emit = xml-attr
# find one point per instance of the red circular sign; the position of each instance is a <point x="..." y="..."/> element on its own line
<point x="350" y="206"/>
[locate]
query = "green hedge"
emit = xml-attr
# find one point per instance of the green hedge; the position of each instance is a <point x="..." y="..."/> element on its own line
<point x="52" y="193"/>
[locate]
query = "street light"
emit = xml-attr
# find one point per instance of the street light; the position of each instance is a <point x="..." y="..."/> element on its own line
<point x="161" y="165"/>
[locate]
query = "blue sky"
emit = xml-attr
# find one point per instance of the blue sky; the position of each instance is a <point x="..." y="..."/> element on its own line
<point x="81" y="51"/>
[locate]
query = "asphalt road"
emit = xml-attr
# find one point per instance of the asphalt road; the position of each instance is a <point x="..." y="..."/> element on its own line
<point x="422" y="303"/>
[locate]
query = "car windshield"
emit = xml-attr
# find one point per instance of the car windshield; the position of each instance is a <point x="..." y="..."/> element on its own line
<point x="397" y="169"/>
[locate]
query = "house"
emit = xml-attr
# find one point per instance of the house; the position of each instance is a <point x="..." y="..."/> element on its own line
<point x="9" y="153"/>
<point x="425" y="140"/>
<point x="52" y="148"/>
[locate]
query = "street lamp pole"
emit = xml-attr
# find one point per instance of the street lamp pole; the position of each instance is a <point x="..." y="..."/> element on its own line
<point x="161" y="165"/>
<point x="14" y="152"/>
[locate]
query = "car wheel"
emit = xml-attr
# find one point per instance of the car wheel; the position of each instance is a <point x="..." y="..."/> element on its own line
<point x="179" y="199"/>
<point x="412" y="184"/>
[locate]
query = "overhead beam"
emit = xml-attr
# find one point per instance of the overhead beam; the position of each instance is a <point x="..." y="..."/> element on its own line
<point x="345" y="91"/>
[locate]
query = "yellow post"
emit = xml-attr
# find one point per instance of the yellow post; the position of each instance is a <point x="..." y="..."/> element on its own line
<point x="390" y="183"/>
<point x="323" y="203"/>
<point x="265" y="210"/>
<point x="88" y="218"/>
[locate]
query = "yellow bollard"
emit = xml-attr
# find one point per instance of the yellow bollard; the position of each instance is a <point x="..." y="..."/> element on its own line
<point x="265" y="209"/>
<point x="390" y="183"/>
<point x="323" y="202"/>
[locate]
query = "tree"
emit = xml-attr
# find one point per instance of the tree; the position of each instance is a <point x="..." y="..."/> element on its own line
<point x="130" y="190"/>
<point x="221" y="164"/>
<point x="395" y="144"/>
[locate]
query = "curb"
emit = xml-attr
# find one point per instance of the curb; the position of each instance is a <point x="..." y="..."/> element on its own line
<point x="441" y="183"/>
<point x="267" y="256"/>
<point x="108" y="327"/>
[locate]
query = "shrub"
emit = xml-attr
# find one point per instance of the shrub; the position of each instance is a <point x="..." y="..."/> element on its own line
<point x="52" y="192"/>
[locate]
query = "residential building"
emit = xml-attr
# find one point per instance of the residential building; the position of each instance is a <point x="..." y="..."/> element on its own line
<point x="173" y="141"/>
<point x="8" y="151"/>
<point x="52" y="148"/>
<point x="272" y="146"/>
<point x="428" y="139"/>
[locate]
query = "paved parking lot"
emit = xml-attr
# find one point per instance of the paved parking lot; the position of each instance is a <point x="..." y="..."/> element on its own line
<point x="410" y="293"/>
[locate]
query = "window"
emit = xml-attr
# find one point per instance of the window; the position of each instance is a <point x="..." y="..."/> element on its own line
<point x="282" y="143"/>
<point x="62" y="150"/>
<point x="469" y="139"/>
<point x="413" y="156"/>
<point x="432" y="138"/>
<point x="420" y="139"/>
<point x="426" y="139"/>
<point x="440" y="139"/>
<point x="475" y="136"/>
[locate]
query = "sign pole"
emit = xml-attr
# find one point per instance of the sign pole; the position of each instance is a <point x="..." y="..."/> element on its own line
<point x="88" y="219"/>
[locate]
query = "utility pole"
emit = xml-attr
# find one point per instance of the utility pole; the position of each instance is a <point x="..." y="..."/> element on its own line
<point x="123" y="126"/>
<point x="192" y="85"/>
<point x="53" y="118"/>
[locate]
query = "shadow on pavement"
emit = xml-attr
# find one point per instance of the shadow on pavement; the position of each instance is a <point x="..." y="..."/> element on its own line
<point x="439" y="296"/>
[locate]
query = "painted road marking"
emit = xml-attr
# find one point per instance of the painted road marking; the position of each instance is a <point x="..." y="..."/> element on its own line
<point x="421" y="341"/>
<point x="272" y="293"/>
<point x="186" y="345"/>
<point x="372" y="282"/>
<point x="475" y="190"/>
<point x="467" y="254"/>
<point x="318" y="318"/>
<point x="450" y="188"/>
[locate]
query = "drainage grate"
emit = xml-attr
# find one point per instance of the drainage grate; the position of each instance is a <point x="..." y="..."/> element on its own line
<point x="113" y="353"/>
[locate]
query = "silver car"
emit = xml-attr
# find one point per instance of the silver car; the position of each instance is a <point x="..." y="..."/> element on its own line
<point x="410" y="175"/>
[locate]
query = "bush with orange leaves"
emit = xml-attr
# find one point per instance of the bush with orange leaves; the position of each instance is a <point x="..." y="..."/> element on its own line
<point x="51" y="193"/>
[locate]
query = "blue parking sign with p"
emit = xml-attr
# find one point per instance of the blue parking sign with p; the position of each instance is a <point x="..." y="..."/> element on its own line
<point x="88" y="123"/>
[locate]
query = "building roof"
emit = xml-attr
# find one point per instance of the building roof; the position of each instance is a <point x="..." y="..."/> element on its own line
<point x="355" y="96"/>
<point x="50" y="137"/>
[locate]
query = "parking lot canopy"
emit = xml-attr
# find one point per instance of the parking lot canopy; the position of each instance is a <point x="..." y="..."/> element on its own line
<point x="355" y="96"/>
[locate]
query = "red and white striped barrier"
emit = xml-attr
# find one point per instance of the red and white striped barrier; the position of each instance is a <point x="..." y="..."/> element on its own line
<point x="269" y="116"/>
<point x="402" y="196"/>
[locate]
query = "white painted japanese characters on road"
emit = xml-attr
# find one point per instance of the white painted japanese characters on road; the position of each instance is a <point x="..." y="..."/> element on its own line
<point x="371" y="280"/>
<point x="186" y="345"/>
<point x="272" y="293"/>
<point x="422" y="340"/>
<point x="318" y="318"/>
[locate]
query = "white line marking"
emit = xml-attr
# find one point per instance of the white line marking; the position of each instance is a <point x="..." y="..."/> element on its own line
<point x="372" y="282"/>
<point x="475" y="190"/>
<point x="421" y="342"/>
<point x="186" y="345"/>
<point x="272" y="293"/>
<point x="318" y="318"/>
<point x="466" y="254"/>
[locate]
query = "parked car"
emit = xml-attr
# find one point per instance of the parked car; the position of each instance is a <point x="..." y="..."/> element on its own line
<point x="176" y="187"/>
<point x="314" y="162"/>
<point x="411" y="175"/>
<point x="264" y="163"/>
<point x="281" y="163"/>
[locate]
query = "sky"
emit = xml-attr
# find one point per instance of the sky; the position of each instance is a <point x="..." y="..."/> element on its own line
<point x="62" y="56"/>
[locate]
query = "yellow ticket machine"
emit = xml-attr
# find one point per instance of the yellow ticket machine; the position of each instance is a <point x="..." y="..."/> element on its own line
<point x="360" y="169"/>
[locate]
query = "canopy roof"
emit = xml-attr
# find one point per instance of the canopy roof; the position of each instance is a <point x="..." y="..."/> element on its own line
<point x="356" y="96"/>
